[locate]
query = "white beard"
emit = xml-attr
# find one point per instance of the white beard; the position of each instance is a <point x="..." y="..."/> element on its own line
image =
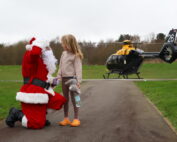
<point x="50" y="61"/>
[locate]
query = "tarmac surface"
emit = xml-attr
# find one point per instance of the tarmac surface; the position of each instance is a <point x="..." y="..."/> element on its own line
<point x="111" y="111"/>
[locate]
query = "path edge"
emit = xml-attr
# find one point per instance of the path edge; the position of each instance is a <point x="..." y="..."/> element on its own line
<point x="158" y="111"/>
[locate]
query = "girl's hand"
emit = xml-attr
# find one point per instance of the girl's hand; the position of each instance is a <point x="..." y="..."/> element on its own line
<point x="48" y="48"/>
<point x="78" y="85"/>
<point x="55" y="82"/>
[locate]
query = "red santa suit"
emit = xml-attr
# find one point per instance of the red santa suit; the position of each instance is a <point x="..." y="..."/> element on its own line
<point x="35" y="99"/>
<point x="27" y="65"/>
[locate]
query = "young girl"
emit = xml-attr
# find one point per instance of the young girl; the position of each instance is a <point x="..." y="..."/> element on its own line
<point x="70" y="67"/>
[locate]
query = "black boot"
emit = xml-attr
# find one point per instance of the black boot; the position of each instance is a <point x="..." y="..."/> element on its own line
<point x="47" y="123"/>
<point x="14" y="115"/>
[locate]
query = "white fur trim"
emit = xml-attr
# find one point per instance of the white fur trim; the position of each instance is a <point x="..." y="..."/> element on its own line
<point x="24" y="121"/>
<point x="41" y="43"/>
<point x="50" y="90"/>
<point x="50" y="78"/>
<point x="32" y="98"/>
<point x="50" y="61"/>
<point x="28" y="47"/>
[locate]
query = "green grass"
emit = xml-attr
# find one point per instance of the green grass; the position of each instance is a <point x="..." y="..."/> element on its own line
<point x="14" y="72"/>
<point x="7" y="97"/>
<point x="93" y="72"/>
<point x="164" y="96"/>
<point x="10" y="72"/>
<point x="159" y="70"/>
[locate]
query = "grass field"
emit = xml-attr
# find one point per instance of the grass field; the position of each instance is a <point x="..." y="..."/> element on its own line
<point x="14" y="72"/>
<point x="160" y="70"/>
<point x="164" y="96"/>
<point x="7" y="97"/>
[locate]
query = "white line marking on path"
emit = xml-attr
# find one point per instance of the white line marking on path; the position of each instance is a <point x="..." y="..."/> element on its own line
<point x="153" y="79"/>
<point x="129" y="79"/>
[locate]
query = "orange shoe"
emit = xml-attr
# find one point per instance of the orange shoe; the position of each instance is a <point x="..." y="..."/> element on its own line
<point x="75" y="123"/>
<point x="64" y="122"/>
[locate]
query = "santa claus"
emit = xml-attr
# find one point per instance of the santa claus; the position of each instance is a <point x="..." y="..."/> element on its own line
<point x="36" y="95"/>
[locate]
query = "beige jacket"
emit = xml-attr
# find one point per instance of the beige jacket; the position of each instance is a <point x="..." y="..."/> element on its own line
<point x="70" y="65"/>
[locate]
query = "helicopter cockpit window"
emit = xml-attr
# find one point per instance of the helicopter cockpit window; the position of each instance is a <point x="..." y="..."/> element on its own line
<point x="114" y="59"/>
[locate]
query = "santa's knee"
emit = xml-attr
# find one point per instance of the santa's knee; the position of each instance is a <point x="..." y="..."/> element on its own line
<point x="56" y="102"/>
<point x="37" y="124"/>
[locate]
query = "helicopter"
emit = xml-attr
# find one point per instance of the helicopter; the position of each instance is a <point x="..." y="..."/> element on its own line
<point x="127" y="61"/>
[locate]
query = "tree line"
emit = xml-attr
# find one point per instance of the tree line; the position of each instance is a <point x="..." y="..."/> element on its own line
<point x="94" y="53"/>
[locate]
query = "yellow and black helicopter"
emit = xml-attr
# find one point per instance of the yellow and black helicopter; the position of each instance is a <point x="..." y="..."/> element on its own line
<point x="129" y="59"/>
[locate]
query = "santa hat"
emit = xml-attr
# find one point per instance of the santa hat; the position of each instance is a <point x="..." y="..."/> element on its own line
<point x="29" y="46"/>
<point x="39" y="43"/>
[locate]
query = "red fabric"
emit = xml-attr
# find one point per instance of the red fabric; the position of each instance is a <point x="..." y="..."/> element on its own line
<point x="26" y="68"/>
<point x="26" y="65"/>
<point x="30" y="59"/>
<point x="33" y="67"/>
<point x="30" y="88"/>
<point x="33" y="39"/>
<point x="56" y="102"/>
<point x="35" y="114"/>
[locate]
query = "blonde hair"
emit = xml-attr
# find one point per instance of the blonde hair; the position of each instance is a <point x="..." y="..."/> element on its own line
<point x="71" y="43"/>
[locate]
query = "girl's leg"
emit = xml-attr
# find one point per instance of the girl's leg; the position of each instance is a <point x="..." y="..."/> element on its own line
<point x="65" y="89"/>
<point x="76" y="109"/>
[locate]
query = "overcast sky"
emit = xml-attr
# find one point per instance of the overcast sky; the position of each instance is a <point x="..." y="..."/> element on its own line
<point x="90" y="20"/>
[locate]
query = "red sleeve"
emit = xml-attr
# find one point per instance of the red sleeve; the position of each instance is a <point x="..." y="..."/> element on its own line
<point x="36" y="51"/>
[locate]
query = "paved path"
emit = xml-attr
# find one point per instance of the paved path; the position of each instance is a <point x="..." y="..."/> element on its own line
<point x="112" y="111"/>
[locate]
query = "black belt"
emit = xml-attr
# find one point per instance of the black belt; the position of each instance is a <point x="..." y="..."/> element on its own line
<point x="26" y="80"/>
<point x="68" y="77"/>
<point x="40" y="83"/>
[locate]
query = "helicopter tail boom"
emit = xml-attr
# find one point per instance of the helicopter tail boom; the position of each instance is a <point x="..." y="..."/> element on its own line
<point x="150" y="55"/>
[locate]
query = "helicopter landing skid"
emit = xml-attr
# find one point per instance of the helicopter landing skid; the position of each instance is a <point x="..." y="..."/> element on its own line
<point x="125" y="76"/>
